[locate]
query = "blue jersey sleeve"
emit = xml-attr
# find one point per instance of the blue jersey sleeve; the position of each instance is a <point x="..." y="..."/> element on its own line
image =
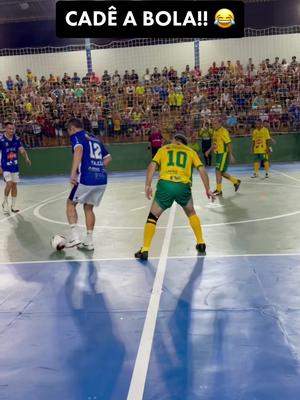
<point x="75" y="141"/>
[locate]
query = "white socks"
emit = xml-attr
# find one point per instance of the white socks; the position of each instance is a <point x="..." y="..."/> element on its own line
<point x="13" y="202"/>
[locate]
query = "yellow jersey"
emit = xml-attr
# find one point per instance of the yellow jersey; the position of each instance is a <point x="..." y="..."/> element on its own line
<point x="260" y="138"/>
<point x="221" y="139"/>
<point x="176" y="163"/>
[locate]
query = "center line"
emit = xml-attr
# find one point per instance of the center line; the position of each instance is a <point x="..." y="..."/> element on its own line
<point x="138" y="379"/>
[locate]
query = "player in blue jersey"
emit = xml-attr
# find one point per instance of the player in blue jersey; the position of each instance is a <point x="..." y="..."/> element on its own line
<point x="89" y="179"/>
<point x="10" y="147"/>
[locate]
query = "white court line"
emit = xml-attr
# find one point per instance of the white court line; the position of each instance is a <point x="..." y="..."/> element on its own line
<point x="138" y="379"/>
<point x="138" y="208"/>
<point x="286" y="175"/>
<point x="179" y="257"/>
<point x="34" y="206"/>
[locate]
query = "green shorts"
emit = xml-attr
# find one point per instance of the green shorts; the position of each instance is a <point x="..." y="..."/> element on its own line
<point x="261" y="157"/>
<point x="222" y="162"/>
<point x="167" y="192"/>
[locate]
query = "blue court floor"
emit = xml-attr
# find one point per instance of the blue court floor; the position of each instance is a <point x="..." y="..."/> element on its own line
<point x="225" y="326"/>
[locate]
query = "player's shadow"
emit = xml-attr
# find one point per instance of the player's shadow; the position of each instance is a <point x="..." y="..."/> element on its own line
<point x="174" y="341"/>
<point x="98" y="361"/>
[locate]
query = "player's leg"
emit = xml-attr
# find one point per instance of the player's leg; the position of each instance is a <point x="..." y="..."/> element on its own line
<point x="266" y="165"/>
<point x="90" y="219"/>
<point x="256" y="165"/>
<point x="7" y="191"/>
<point x="149" y="230"/>
<point x="14" y="192"/>
<point x="195" y="223"/>
<point x="218" y="191"/>
<point x="91" y="197"/>
<point x="72" y="216"/>
<point x="164" y="198"/>
<point x="223" y="168"/>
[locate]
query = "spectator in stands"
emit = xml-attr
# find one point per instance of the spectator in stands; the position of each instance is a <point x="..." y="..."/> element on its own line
<point x="134" y="78"/>
<point x="155" y="77"/>
<point x="147" y="77"/>
<point x="9" y="83"/>
<point x="156" y="140"/>
<point x="232" y="122"/>
<point x="75" y="78"/>
<point x="105" y="77"/>
<point x="116" y="78"/>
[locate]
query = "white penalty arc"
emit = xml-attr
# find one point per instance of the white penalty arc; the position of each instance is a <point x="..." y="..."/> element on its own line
<point x="38" y="215"/>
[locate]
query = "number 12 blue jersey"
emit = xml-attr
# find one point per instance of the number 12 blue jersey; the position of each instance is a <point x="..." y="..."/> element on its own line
<point x="91" y="170"/>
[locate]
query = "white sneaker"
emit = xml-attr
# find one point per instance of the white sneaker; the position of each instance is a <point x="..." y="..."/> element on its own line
<point x="72" y="241"/>
<point x="86" y="246"/>
<point x="5" y="208"/>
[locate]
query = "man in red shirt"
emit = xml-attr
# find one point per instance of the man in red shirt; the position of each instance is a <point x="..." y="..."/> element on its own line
<point x="156" y="140"/>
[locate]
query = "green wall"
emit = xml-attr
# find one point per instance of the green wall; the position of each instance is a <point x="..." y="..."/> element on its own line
<point x="136" y="156"/>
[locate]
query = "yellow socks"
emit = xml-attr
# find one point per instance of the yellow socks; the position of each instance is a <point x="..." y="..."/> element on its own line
<point x="267" y="167"/>
<point x="219" y="187"/>
<point x="196" y="226"/>
<point x="149" y="231"/>
<point x="256" y="168"/>
<point x="233" y="179"/>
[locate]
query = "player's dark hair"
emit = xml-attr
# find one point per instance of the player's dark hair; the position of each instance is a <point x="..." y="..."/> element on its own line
<point x="75" y="122"/>
<point x="181" y="138"/>
<point x="6" y="123"/>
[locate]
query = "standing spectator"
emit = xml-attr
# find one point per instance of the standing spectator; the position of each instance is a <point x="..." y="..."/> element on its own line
<point x="116" y="78"/>
<point x="206" y="136"/>
<point x="75" y="78"/>
<point x="134" y="77"/>
<point x="156" y="140"/>
<point x="147" y="77"/>
<point x="9" y="83"/>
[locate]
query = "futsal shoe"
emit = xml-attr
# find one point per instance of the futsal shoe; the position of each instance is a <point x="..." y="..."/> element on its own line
<point x="217" y="193"/>
<point x="13" y="210"/>
<point x="237" y="185"/>
<point x="72" y="242"/>
<point x="5" y="208"/>
<point x="267" y="176"/>
<point x="86" y="246"/>
<point x="201" y="247"/>
<point x="141" y="255"/>
<point x="254" y="176"/>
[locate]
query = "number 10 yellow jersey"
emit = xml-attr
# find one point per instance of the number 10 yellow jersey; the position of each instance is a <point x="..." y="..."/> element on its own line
<point x="176" y="163"/>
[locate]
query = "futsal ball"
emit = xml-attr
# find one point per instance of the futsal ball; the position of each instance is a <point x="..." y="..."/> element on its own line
<point x="58" y="242"/>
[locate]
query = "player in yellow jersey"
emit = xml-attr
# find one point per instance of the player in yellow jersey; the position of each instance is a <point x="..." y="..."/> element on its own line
<point x="175" y="162"/>
<point x="221" y="146"/>
<point x="260" y="147"/>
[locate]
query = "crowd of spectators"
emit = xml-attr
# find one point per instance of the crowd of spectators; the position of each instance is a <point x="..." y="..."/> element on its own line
<point x="129" y="106"/>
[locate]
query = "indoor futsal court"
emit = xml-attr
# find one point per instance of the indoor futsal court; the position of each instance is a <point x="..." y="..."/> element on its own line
<point x="223" y="326"/>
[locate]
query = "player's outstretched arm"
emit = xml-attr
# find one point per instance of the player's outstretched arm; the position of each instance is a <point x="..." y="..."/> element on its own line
<point x="77" y="156"/>
<point x="205" y="179"/>
<point x="25" y="155"/>
<point x="150" y="173"/>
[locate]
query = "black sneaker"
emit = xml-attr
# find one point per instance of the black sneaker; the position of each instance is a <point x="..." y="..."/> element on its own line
<point x="217" y="193"/>
<point x="237" y="185"/>
<point x="141" y="255"/>
<point x="13" y="210"/>
<point x="267" y="176"/>
<point x="201" y="247"/>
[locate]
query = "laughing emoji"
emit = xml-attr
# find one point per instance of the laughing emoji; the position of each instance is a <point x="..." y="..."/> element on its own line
<point x="224" y="18"/>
